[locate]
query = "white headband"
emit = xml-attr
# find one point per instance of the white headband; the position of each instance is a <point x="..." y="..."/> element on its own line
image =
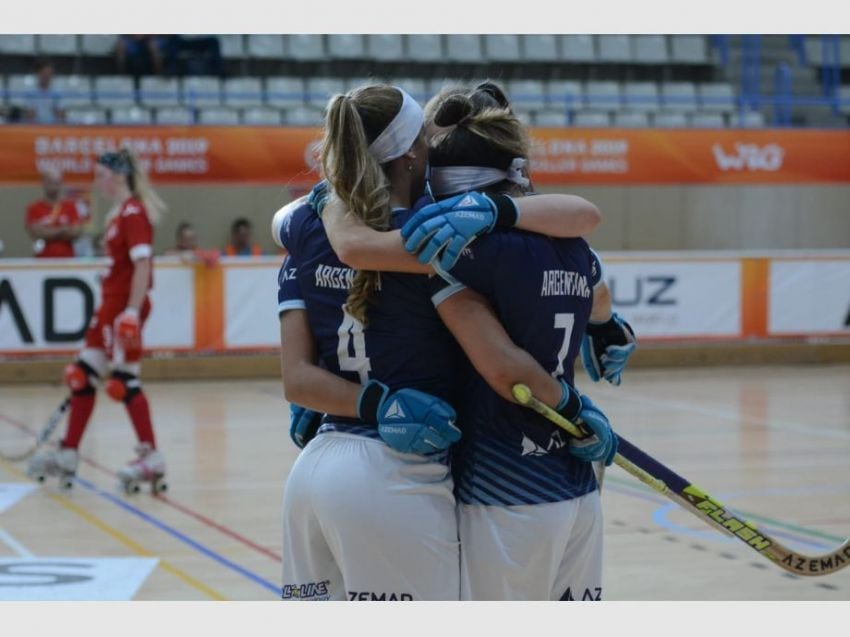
<point x="449" y="180"/>
<point x="397" y="138"/>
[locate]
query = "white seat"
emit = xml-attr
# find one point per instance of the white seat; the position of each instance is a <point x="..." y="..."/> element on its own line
<point x="305" y="46"/>
<point x="540" y="48"/>
<point x="602" y="95"/>
<point x="261" y="117"/>
<point x="385" y="46"/>
<point x="74" y="90"/>
<point x="814" y="50"/>
<point x="175" y="116"/>
<point x="201" y="91"/>
<point x="591" y="119"/>
<point x="716" y="96"/>
<point x="265" y="46"/>
<point x="688" y="49"/>
<point x="567" y="94"/>
<point x="844" y="51"/>
<point x="578" y="48"/>
<point x="284" y="91"/>
<point x="130" y="115"/>
<point x="501" y="47"/>
<point x="526" y="94"/>
<point x="86" y="116"/>
<point x="303" y="116"/>
<point x="844" y="100"/>
<point x="218" y="116"/>
<point x="424" y="47"/>
<point x="464" y="48"/>
<point x="346" y="46"/>
<point x="640" y="96"/>
<point x="19" y="88"/>
<point x="551" y="118"/>
<point x="679" y="96"/>
<point x="232" y="45"/>
<point x="670" y="120"/>
<point x="631" y="119"/>
<point x="753" y="119"/>
<point x="708" y="120"/>
<point x="352" y="83"/>
<point x="418" y="88"/>
<point x="159" y="91"/>
<point x="17" y="44"/>
<point x="243" y="91"/>
<point x="614" y="48"/>
<point x="321" y="89"/>
<point x="114" y="90"/>
<point x="650" y="49"/>
<point x="99" y="45"/>
<point x="58" y="44"/>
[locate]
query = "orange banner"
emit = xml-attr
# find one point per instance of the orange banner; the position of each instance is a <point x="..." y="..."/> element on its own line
<point x="560" y="156"/>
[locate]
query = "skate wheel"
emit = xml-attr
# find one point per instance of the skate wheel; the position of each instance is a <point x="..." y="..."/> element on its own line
<point x="39" y="478"/>
<point x="159" y="486"/>
<point x="66" y="483"/>
<point x="131" y="487"/>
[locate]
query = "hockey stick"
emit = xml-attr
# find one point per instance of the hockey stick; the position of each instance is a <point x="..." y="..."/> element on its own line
<point x="667" y="482"/>
<point x="43" y="435"/>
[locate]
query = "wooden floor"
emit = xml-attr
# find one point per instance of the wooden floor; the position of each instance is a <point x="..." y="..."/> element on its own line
<point x="772" y="442"/>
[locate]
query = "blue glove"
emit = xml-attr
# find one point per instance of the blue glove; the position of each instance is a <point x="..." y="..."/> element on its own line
<point x="451" y="225"/>
<point x="408" y="420"/>
<point x="303" y="424"/>
<point x="601" y="442"/>
<point x="606" y="348"/>
<point x="318" y="197"/>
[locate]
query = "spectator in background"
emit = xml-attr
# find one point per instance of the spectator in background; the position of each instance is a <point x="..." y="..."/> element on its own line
<point x="139" y="55"/>
<point x="54" y="223"/>
<point x="41" y="106"/>
<point x="186" y="247"/>
<point x="192" y="55"/>
<point x="241" y="241"/>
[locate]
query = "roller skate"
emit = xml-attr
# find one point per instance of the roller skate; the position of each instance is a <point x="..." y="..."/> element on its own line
<point x="54" y="462"/>
<point x="149" y="466"/>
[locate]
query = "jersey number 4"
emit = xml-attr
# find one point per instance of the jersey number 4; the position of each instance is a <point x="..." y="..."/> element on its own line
<point x="564" y="322"/>
<point x="352" y="330"/>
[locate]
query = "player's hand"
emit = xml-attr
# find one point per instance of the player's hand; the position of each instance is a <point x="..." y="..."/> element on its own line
<point x="408" y="420"/>
<point x="127" y="330"/>
<point x="445" y="228"/>
<point x="303" y="424"/>
<point x="606" y="348"/>
<point x="318" y="197"/>
<point x="600" y="443"/>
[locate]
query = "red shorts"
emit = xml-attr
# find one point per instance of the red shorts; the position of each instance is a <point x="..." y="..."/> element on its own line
<point x="99" y="334"/>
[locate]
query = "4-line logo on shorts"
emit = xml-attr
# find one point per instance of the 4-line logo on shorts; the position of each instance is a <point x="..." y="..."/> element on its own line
<point x="315" y="591"/>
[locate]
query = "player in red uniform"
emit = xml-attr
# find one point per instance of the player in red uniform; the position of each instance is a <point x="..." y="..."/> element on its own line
<point x="54" y="223"/>
<point x="113" y="344"/>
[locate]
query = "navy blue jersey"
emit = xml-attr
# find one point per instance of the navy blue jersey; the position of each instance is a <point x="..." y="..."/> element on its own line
<point x="405" y="344"/>
<point x="542" y="292"/>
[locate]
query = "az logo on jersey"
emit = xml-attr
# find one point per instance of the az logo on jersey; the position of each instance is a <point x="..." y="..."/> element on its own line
<point x="531" y="448"/>
<point x="395" y="411"/>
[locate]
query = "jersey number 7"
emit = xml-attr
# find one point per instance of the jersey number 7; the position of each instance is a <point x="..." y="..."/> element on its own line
<point x="564" y="322"/>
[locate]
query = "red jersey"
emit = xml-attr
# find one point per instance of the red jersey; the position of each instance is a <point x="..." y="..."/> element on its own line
<point x="54" y="215"/>
<point x="128" y="237"/>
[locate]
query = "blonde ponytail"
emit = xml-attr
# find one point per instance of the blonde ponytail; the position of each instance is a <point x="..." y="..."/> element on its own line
<point x="141" y="186"/>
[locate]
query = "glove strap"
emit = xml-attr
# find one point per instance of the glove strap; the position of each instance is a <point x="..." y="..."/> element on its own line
<point x="610" y="329"/>
<point x="507" y="213"/>
<point x="570" y="404"/>
<point x="369" y="400"/>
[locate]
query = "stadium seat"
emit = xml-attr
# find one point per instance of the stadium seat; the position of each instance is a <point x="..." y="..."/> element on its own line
<point x="602" y="95"/>
<point x="243" y="91"/>
<point x="631" y="119"/>
<point x="526" y="95"/>
<point x="437" y="84"/>
<point x="57" y="44"/>
<point x="201" y="91"/>
<point x="159" y="91"/>
<point x="305" y="46"/>
<point x="261" y="117"/>
<point x="130" y="115"/>
<point x="86" y="116"/>
<point x="99" y="45"/>
<point x="175" y="116"/>
<point x="114" y="90"/>
<point x="678" y="96"/>
<point x="688" y="49"/>
<point x="74" y="90"/>
<point x="614" y="48"/>
<point x="464" y="48"/>
<point x="501" y="47"/>
<point x="707" y="120"/>
<point x="320" y="89"/>
<point x="346" y="46"/>
<point x="418" y="88"/>
<point x="232" y="45"/>
<point x="424" y="47"/>
<point x="591" y="119"/>
<point x="814" y="50"/>
<point x="578" y="48"/>
<point x="670" y="120"/>
<point x="641" y="96"/>
<point x="17" y="44"/>
<point x="844" y="100"/>
<point x="844" y="52"/>
<point x="303" y="116"/>
<point x="539" y="48"/>
<point x="218" y="116"/>
<point x="564" y="94"/>
<point x="352" y="83"/>
<point x="753" y="119"/>
<point x="19" y="88"/>
<point x="549" y="117"/>
<point x="650" y="49"/>
<point x="385" y="46"/>
<point x="265" y="46"/>
<point x="284" y="91"/>
<point x="716" y="96"/>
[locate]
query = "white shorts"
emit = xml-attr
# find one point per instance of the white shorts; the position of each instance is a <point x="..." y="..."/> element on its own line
<point x="364" y="522"/>
<point x="534" y="552"/>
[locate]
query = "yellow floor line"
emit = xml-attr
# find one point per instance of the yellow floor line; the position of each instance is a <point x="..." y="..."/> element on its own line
<point x="123" y="539"/>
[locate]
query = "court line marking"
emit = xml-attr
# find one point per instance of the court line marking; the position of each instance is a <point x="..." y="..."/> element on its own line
<point x="13" y="544"/>
<point x="134" y="546"/>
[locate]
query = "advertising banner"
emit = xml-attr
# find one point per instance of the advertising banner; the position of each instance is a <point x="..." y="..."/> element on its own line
<point x="809" y="297"/>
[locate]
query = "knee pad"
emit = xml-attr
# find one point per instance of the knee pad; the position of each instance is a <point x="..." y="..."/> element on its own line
<point x="123" y="386"/>
<point x="78" y="377"/>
